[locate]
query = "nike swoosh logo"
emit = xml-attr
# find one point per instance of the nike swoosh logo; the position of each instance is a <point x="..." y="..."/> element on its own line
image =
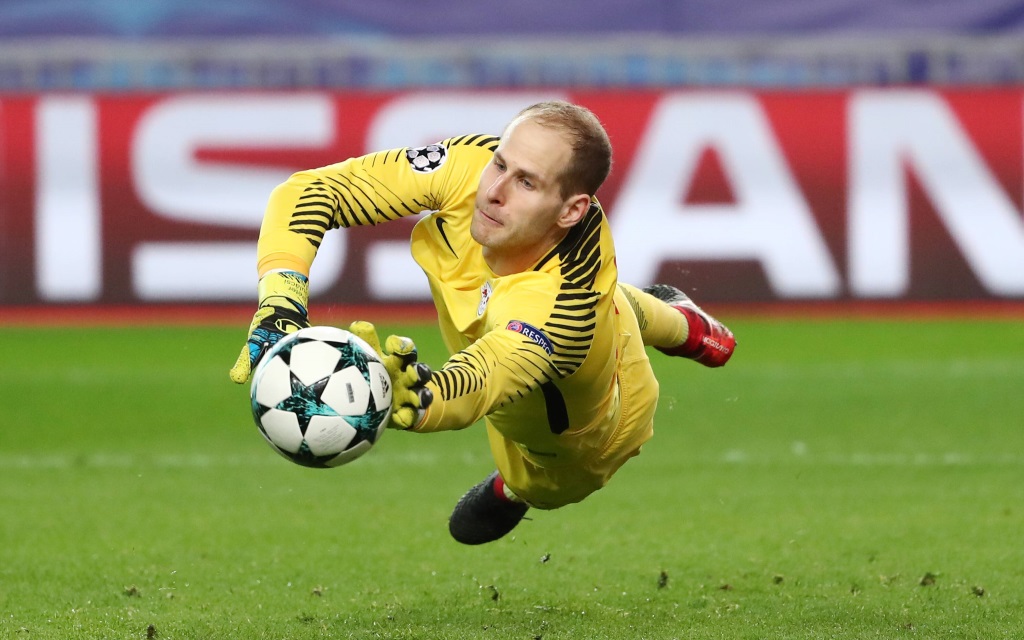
<point x="440" y="222"/>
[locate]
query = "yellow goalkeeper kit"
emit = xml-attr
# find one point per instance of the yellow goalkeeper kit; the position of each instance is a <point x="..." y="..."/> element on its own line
<point x="551" y="358"/>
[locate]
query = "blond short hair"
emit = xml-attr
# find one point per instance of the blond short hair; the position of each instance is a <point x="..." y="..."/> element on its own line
<point x="591" y="149"/>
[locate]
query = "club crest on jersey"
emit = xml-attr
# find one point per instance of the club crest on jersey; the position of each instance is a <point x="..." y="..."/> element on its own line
<point x="426" y="159"/>
<point x="485" y="297"/>
<point x="532" y="333"/>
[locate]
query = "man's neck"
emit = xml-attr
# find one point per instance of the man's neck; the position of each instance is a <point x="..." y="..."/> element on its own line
<point x="503" y="263"/>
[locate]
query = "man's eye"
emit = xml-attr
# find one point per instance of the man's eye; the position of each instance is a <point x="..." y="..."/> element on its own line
<point x="527" y="184"/>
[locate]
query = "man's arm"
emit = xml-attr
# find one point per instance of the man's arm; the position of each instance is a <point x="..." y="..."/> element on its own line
<point x="541" y="331"/>
<point x="368" y="190"/>
<point x="493" y="371"/>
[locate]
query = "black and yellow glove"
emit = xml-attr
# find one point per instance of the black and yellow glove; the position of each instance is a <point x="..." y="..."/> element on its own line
<point x="283" y="299"/>
<point x="410" y="395"/>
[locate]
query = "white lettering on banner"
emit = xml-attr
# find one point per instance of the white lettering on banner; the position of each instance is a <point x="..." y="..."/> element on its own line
<point x="918" y="128"/>
<point x="770" y="222"/>
<point x="68" y="240"/>
<point x="192" y="270"/>
<point x="173" y="183"/>
<point x="383" y="261"/>
<point x="424" y="118"/>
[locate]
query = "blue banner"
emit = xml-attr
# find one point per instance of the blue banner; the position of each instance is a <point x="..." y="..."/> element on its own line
<point x="291" y="18"/>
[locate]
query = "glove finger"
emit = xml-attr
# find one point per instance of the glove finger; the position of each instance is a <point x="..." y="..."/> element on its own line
<point x="368" y="333"/>
<point x="409" y="407"/>
<point x="426" y="397"/>
<point x="403" y="348"/>
<point x="239" y="373"/>
<point x="414" y="396"/>
<point x="409" y="383"/>
<point x="417" y="375"/>
<point x="394" y="366"/>
<point x="404" y="418"/>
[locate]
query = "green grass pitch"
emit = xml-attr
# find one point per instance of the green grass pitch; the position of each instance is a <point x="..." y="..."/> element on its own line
<point x="839" y="479"/>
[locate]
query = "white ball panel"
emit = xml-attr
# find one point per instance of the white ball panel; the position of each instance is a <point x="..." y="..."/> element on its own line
<point x="380" y="385"/>
<point x="351" y="454"/>
<point x="331" y="334"/>
<point x="312" y="361"/>
<point x="282" y="429"/>
<point x="327" y="435"/>
<point x="347" y="392"/>
<point x="272" y="382"/>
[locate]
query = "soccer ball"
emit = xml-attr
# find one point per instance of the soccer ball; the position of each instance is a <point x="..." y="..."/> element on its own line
<point x="321" y="397"/>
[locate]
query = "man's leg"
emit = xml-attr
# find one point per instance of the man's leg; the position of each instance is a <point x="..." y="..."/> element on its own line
<point x="487" y="512"/>
<point x="495" y="506"/>
<point x="673" y="324"/>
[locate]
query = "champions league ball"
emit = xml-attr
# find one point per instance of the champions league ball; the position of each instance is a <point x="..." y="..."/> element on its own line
<point x="321" y="397"/>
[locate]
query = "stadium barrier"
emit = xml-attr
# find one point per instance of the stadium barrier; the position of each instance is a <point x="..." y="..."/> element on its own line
<point x="617" y="60"/>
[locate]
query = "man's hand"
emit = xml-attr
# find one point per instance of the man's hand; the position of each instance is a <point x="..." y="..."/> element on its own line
<point x="410" y="395"/>
<point x="283" y="297"/>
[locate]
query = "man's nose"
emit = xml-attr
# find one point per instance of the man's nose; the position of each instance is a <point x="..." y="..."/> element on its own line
<point x="496" y="192"/>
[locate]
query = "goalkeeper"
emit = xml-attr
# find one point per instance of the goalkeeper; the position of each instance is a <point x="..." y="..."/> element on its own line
<point x="546" y="345"/>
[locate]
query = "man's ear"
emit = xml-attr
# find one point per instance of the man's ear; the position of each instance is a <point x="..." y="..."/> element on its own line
<point x="573" y="210"/>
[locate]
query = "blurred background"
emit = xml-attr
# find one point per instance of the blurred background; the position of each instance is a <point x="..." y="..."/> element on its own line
<point x="833" y="152"/>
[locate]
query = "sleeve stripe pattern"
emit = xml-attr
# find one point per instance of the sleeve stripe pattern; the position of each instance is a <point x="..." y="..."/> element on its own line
<point x="573" y="321"/>
<point x="462" y="375"/>
<point x="478" y="140"/>
<point x="359" y="197"/>
<point x="312" y="215"/>
<point x="351" y="199"/>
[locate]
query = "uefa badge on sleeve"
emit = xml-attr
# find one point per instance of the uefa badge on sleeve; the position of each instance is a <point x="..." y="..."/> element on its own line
<point x="426" y="159"/>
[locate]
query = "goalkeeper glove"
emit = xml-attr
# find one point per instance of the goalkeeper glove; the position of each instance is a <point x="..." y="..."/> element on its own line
<point x="283" y="297"/>
<point x="410" y="395"/>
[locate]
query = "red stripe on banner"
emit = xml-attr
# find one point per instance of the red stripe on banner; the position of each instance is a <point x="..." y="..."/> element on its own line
<point x="238" y="315"/>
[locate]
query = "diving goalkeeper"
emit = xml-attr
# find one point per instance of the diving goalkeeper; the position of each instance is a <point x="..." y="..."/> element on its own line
<point x="546" y="345"/>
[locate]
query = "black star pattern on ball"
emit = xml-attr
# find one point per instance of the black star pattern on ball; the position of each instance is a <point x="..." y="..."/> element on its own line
<point x="305" y="401"/>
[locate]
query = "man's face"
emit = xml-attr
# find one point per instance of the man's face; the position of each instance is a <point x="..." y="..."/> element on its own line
<point x="519" y="202"/>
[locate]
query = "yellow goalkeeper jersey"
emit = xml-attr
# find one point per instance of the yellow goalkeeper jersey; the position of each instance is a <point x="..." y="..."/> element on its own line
<point x="537" y="353"/>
